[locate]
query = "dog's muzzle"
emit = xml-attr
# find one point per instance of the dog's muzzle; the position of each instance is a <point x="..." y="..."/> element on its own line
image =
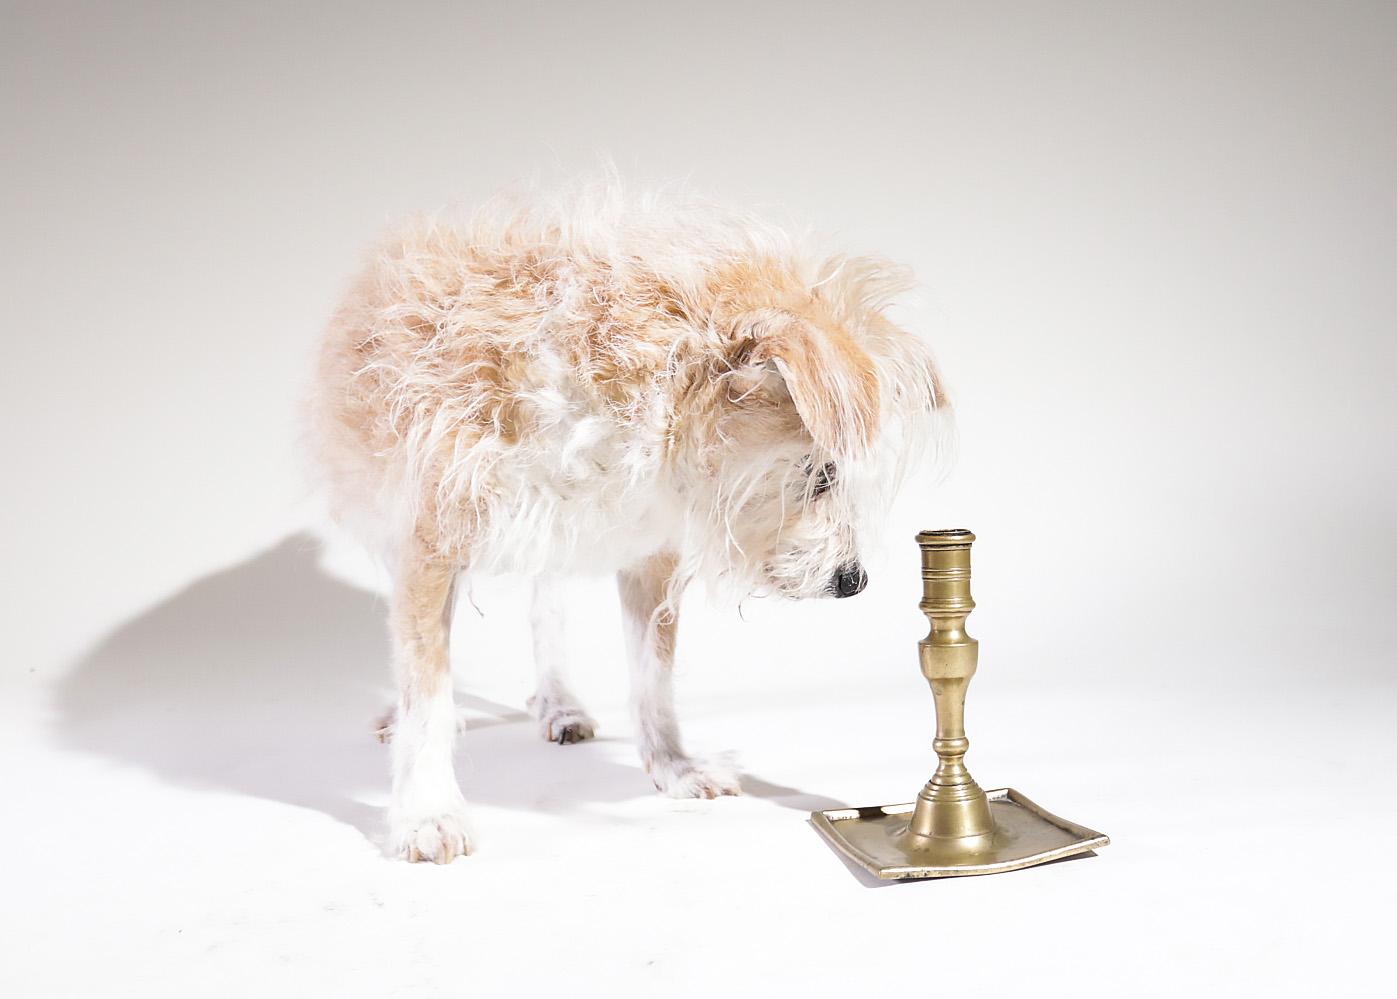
<point x="849" y="581"/>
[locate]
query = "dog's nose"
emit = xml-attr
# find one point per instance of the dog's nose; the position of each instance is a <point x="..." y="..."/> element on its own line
<point x="849" y="581"/>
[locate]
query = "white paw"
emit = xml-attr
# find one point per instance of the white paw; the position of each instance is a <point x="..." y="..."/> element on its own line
<point x="686" y="778"/>
<point x="561" y="721"/>
<point x="439" y="838"/>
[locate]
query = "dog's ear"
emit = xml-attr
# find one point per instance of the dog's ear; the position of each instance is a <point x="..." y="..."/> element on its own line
<point x="832" y="381"/>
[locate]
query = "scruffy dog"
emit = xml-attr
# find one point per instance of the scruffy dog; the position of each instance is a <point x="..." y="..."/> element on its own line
<point x="590" y="383"/>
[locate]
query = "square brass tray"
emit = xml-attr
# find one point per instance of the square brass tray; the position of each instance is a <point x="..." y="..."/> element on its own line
<point x="1024" y="835"/>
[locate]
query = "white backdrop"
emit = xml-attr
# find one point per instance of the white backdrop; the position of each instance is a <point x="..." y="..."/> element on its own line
<point x="1156" y="243"/>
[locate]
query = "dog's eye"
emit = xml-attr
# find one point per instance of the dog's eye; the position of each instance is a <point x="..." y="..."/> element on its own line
<point x="823" y="480"/>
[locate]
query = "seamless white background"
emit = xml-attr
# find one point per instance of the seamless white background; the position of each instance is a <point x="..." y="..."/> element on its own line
<point x="1156" y="244"/>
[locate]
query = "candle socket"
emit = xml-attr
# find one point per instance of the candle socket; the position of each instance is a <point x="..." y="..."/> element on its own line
<point x="954" y="827"/>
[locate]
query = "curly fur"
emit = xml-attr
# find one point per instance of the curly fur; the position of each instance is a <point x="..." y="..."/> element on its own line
<point x="591" y="381"/>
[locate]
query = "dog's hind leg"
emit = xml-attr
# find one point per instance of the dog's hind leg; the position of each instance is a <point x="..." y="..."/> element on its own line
<point x="427" y="814"/>
<point x="650" y="640"/>
<point x="560" y="718"/>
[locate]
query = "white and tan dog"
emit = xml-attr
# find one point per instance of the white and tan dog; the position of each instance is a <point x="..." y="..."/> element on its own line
<point x="596" y="383"/>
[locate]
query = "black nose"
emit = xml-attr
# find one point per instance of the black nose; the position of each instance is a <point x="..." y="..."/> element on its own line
<point x="849" y="581"/>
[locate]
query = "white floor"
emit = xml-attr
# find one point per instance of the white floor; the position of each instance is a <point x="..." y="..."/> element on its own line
<point x="192" y="810"/>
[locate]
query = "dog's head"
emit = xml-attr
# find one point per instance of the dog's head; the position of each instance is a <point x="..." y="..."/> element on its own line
<point x="820" y="402"/>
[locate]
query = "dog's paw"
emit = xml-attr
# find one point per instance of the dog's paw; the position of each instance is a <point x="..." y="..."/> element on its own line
<point x="567" y="725"/>
<point x="685" y="778"/>
<point x="562" y="721"/>
<point x="439" y="838"/>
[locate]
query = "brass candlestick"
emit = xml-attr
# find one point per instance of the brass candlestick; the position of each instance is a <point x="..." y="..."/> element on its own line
<point x="954" y="827"/>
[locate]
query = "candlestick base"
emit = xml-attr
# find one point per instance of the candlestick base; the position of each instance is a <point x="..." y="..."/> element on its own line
<point x="878" y="839"/>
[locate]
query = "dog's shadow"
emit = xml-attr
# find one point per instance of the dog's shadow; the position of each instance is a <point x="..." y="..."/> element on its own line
<point x="265" y="679"/>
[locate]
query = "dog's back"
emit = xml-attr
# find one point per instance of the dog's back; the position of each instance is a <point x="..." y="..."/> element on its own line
<point x="514" y="379"/>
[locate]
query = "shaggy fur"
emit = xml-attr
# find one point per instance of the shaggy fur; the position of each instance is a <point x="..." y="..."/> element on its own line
<point x="595" y="383"/>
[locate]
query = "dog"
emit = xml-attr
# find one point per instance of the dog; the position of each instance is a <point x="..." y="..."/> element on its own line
<point x="594" y="382"/>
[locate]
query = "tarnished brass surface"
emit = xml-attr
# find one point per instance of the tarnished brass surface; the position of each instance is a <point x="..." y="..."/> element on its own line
<point x="954" y="827"/>
<point x="1024" y="835"/>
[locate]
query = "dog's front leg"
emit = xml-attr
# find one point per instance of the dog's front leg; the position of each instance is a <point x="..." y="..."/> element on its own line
<point x="427" y="814"/>
<point x="650" y="639"/>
